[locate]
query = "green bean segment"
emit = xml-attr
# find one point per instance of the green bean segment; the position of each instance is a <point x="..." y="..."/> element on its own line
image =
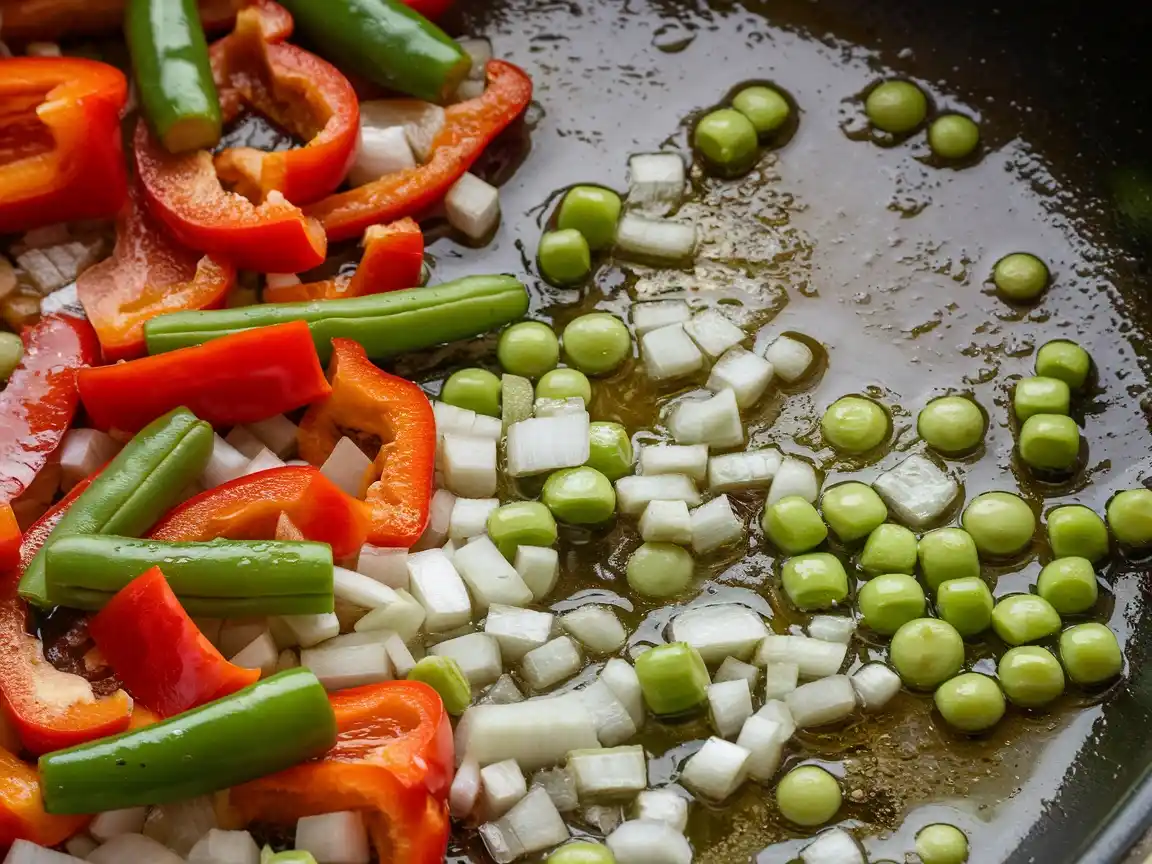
<point x="1065" y="361"/>
<point x="815" y="581"/>
<point x="793" y="525"/>
<point x="610" y="449"/>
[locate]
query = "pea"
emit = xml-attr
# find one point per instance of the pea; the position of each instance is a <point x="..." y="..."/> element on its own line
<point x="659" y="570"/>
<point x="948" y="553"/>
<point x="1090" y="654"/>
<point x="890" y="548"/>
<point x="1030" y="676"/>
<point x="529" y="349"/>
<point x="610" y="449"/>
<point x="1020" y="276"/>
<point x="890" y="601"/>
<point x="727" y="141"/>
<point x="970" y="702"/>
<point x="1069" y="584"/>
<point x="1076" y="531"/>
<point x="564" y="384"/>
<point x="808" y="796"/>
<point x="673" y="678"/>
<point x="1022" y="618"/>
<point x="1050" y="442"/>
<point x="564" y="257"/>
<point x="11" y="353"/>
<point x="1001" y="524"/>
<point x="926" y="652"/>
<point x="853" y="424"/>
<point x="896" y="106"/>
<point x="581" y="852"/>
<point x="942" y="844"/>
<point x="793" y="525"/>
<point x="475" y="389"/>
<point x="766" y="108"/>
<point x="853" y="510"/>
<point x="966" y="604"/>
<point x="594" y="212"/>
<point x="815" y="581"/>
<point x="521" y="523"/>
<point x="597" y="343"/>
<point x="952" y="425"/>
<point x="1130" y="517"/>
<point x="1065" y="361"/>
<point x="953" y="136"/>
<point x="1040" y="395"/>
<point x="580" y="496"/>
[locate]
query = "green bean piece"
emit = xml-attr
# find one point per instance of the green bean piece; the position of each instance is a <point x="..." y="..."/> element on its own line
<point x="853" y="510"/>
<point x="581" y="852"/>
<point x="947" y="553"/>
<point x="516" y="399"/>
<point x="1050" y="442"/>
<point x="1039" y="395"/>
<point x="1069" y="584"/>
<point x="1065" y="361"/>
<point x="444" y="675"/>
<point x="673" y="678"/>
<point x="11" y="353"/>
<point x="610" y="450"/>
<point x="853" y="424"/>
<point x="793" y="525"/>
<point x="521" y="523"/>
<point x="889" y="601"/>
<point x="966" y="604"/>
<point x="815" y="581"/>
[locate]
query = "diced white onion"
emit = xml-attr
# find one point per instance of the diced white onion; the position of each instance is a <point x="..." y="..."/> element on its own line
<point x="717" y="769"/>
<point x="478" y="655"/>
<point x="517" y="631"/>
<point x="386" y="565"/>
<point x="602" y="818"/>
<point x="439" y="520"/>
<point x="657" y="240"/>
<point x="623" y="681"/>
<point x="480" y="50"/>
<point x="398" y="655"/>
<point x="360" y="590"/>
<point x="403" y="614"/>
<point x="26" y="852"/>
<point x="287" y="659"/>
<point x="560" y="786"/>
<point x="643" y="841"/>
<point x="551" y="663"/>
<point x="558" y="407"/>
<point x="764" y="740"/>
<point x="280" y="280"/>
<point x="614" y="725"/>
<point x="135" y="848"/>
<point x="180" y="824"/>
<point x="609" y="772"/>
<point x="655" y="314"/>
<point x="729" y="705"/>
<point x="422" y="121"/>
<point x="541" y="444"/>
<point x="815" y="657"/>
<point x="744" y="373"/>
<point x="340" y="838"/>
<point x="42" y="49"/>
<point x="261" y="653"/>
<point x="737" y="472"/>
<point x="916" y="491"/>
<point x="225" y="847"/>
<point x="655" y="182"/>
<point x="836" y="846"/>
<point x="689" y="459"/>
<point x="876" y="685"/>
<point x="780" y="679"/>
<point x="777" y="711"/>
<point x="669" y="352"/>
<point x="715" y="524"/>
<point x="110" y="823"/>
<point x="487" y="427"/>
<point x="82" y="452"/>
<point x="714" y="421"/>
<point x="453" y="420"/>
<point x="489" y="576"/>
<point x="226" y="463"/>
<point x="596" y="627"/>
<point x="790" y="358"/>
<point x="439" y="589"/>
<point x="500" y="841"/>
<point x="235" y="633"/>
<point x="794" y="477"/>
<point x="537" y="733"/>
<point x="720" y="631"/>
<point x="662" y="805"/>
<point x="78" y="846"/>
<point x="470" y="517"/>
<point x="502" y="784"/>
<point x="636" y="491"/>
<point x="504" y="691"/>
<point x="347" y="466"/>
<point x="539" y="567"/>
<point x="472" y="207"/>
<point x="737" y="670"/>
<point x="277" y="433"/>
<point x="348" y="666"/>
<point x="666" y="522"/>
<point x="465" y="789"/>
<point x="713" y="332"/>
<point x="832" y="628"/>
<point x="380" y="151"/>
<point x="819" y="703"/>
<point x="469" y="466"/>
<point x="265" y="460"/>
<point x="536" y="822"/>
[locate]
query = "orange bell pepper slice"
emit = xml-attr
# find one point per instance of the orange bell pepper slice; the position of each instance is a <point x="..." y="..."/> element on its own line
<point x="22" y="814"/>
<point x="10" y="538"/>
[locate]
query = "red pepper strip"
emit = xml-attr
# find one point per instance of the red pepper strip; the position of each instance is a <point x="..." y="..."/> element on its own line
<point x="148" y="274"/>
<point x="185" y="193"/>
<point x="37" y="534"/>
<point x="60" y="153"/>
<point x="10" y="538"/>
<point x="26" y="20"/>
<point x="40" y="400"/>
<point x="393" y="259"/>
<point x="299" y="92"/>
<point x="468" y="128"/>
<point x="391" y="418"/>
<point x="248" y="508"/>
<point x="159" y="652"/>
<point x="247" y="376"/>
<point x="432" y="9"/>
<point x="22" y="815"/>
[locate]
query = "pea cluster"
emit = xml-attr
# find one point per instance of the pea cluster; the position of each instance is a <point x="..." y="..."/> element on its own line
<point x="1048" y="439"/>
<point x="900" y="107"/>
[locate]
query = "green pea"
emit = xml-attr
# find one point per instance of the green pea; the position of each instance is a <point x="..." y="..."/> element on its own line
<point x="673" y="678"/>
<point x="942" y="844"/>
<point x="1130" y="517"/>
<point x="581" y="852"/>
<point x="793" y="525"/>
<point x="564" y="257"/>
<point x="808" y="796"/>
<point x="580" y="496"/>
<point x="948" y="553"/>
<point x="475" y="389"/>
<point x="926" y="652"/>
<point x="594" y="212"/>
<point x="597" y="343"/>
<point x="659" y="570"/>
<point x="952" y="425"/>
<point x="727" y="141"/>
<point x="1069" y="584"/>
<point x="896" y="106"/>
<point x="1090" y="654"/>
<point x="1050" y="442"/>
<point x="890" y="548"/>
<point x="966" y="604"/>
<point x="521" y="523"/>
<point x="290" y="856"/>
<point x="890" y="601"/>
<point x="853" y="424"/>
<point x="1001" y="524"/>
<point x="1065" y="361"/>
<point x="953" y="136"/>
<point x="766" y="108"/>
<point x="853" y="510"/>
<point x="1076" y="531"/>
<point x="610" y="449"/>
<point x="529" y="349"/>
<point x="563" y="384"/>
<point x="815" y="581"/>
<point x="1022" y="618"/>
<point x="1030" y="676"/>
<point x="1020" y="276"/>
<point x="970" y="702"/>
<point x="11" y="353"/>
<point x="1040" y="395"/>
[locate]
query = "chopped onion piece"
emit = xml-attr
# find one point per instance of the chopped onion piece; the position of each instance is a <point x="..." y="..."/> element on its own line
<point x="340" y="838"/>
<point x="656" y="182"/>
<point x="614" y="724"/>
<point x="502" y="784"/>
<point x="596" y="627"/>
<point x="717" y="769"/>
<point x="609" y="772"/>
<point x="764" y="740"/>
<point x="135" y="848"/>
<point x="623" y="681"/>
<point x="452" y="420"/>
<point x="916" y="491"/>
<point x="635" y="492"/>
<point x="360" y="590"/>
<point x="225" y="847"/>
<point x="277" y="433"/>
<point x="287" y="659"/>
<point x="560" y="786"/>
<point x="517" y="631"/>
<point x="398" y="655"/>
<point x="714" y="525"/>
<point x="790" y="358"/>
<point x="661" y="241"/>
<point x="403" y="614"/>
<point x="469" y="466"/>
<point x="832" y="628"/>
<point x="794" y="477"/>
<point x="539" y="567"/>
<point x="472" y="207"/>
<point x="386" y="565"/>
<point x="655" y="314"/>
<point x="380" y="151"/>
<point x="439" y="589"/>
<point x="26" y="852"/>
<point x="536" y="822"/>
<point x="836" y="846"/>
<point x="180" y="824"/>
<point x="480" y="50"/>
<point x="551" y="663"/>
<point x="558" y="407"/>
<point x="670" y="353"/>
<point x="470" y="517"/>
<point x="776" y="711"/>
<point x="720" y="631"/>
<point x="226" y="463"/>
<point x="261" y="653"/>
<point x="737" y="472"/>
<point x="465" y="789"/>
<point x="729" y="705"/>
<point x="689" y="459"/>
<point x="737" y="670"/>
<point x="347" y="466"/>
<point x="348" y="665"/>
<point x="876" y="685"/>
<point x="644" y="841"/>
<point x="439" y="519"/>
<point x="504" y="691"/>
<point x="243" y="440"/>
<point x="82" y="452"/>
<point x="490" y="578"/>
<point x="744" y="373"/>
<point x="500" y="841"/>
<point x="78" y="845"/>
<point x="542" y="444"/>
<point x="422" y="121"/>
<point x="311" y="630"/>
<point x="714" y="421"/>
<point x="487" y="427"/>
<point x="814" y="657"/>
<point x="478" y="655"/>
<point x="780" y="679"/>
<point x="666" y="522"/>
<point x="110" y="823"/>
<point x="537" y="733"/>
<point x="662" y="805"/>
<point x="281" y="280"/>
<point x="713" y="332"/>
<point x="819" y="703"/>
<point x="265" y="460"/>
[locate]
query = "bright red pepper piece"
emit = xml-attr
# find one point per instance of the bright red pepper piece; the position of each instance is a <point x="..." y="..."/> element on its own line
<point x="149" y="274"/>
<point x="393" y="260"/>
<point x="26" y="20"/>
<point x="392" y="420"/>
<point x="10" y="538"/>
<point x="432" y="9"/>
<point x="468" y="128"/>
<point x="22" y="814"/>
<point x="249" y="507"/>
<point x="159" y="652"/>
<point x="40" y="400"/>
<point x="248" y="376"/>
<point x="60" y="153"/>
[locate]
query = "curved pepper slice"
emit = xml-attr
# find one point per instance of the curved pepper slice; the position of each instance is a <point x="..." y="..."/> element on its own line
<point x="37" y="406"/>
<point x="393" y="260"/>
<point x="149" y="274"/>
<point x="60" y="154"/>
<point x="51" y="19"/>
<point x="390" y="417"/>
<point x="22" y="814"/>
<point x="10" y="538"/>
<point x="468" y="128"/>
<point x="299" y="92"/>
<point x="249" y="507"/>
<point x="158" y="651"/>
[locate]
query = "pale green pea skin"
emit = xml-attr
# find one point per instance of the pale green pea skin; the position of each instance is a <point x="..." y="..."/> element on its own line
<point x="1020" y="276"/>
<point x="444" y="675"/>
<point x="673" y="678"/>
<point x="1040" y="395"/>
<point x="597" y="343"/>
<point x="890" y="601"/>
<point x="528" y="349"/>
<point x="563" y="384"/>
<point x="1001" y="524"/>
<point x="942" y="844"/>
<point x="11" y="353"/>
<point x="521" y="523"/>
<point x="1069" y="584"/>
<point x="890" y="548"/>
<point x="1130" y="517"/>
<point x="966" y="604"/>
<point x="896" y="106"/>
<point x="815" y="581"/>
<point x="1030" y="676"/>
<point x="582" y="852"/>
<point x="1091" y="654"/>
<point x="610" y="449"/>
<point x="291" y="856"/>
<point x="793" y="525"/>
<point x="926" y="652"/>
<point x="659" y="570"/>
<point x="1022" y="618"/>
<point x="853" y="424"/>
<point x="1064" y="360"/>
<point x="808" y="796"/>
<point x="580" y="496"/>
<point x="727" y="141"/>
<point x="1050" y="442"/>
<point x="947" y="553"/>
<point x="564" y="257"/>
<point x="766" y="108"/>
<point x="853" y="510"/>
<point x="594" y="212"/>
<point x="953" y="136"/>
<point x="1076" y="531"/>
<point x="475" y="389"/>
<point x="970" y="702"/>
<point x="951" y="425"/>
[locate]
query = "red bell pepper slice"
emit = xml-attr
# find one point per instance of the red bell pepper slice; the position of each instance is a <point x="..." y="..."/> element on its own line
<point x="249" y="507"/>
<point x="22" y="814"/>
<point x="468" y="128"/>
<point x="432" y="9"/>
<point x="60" y="153"/>
<point x="392" y="419"/>
<point x="247" y="376"/>
<point x="26" y="20"/>
<point x="393" y="259"/>
<point x="159" y="652"/>
<point x="10" y="538"/>
<point x="149" y="274"/>
<point x="40" y="400"/>
<point x="299" y="92"/>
